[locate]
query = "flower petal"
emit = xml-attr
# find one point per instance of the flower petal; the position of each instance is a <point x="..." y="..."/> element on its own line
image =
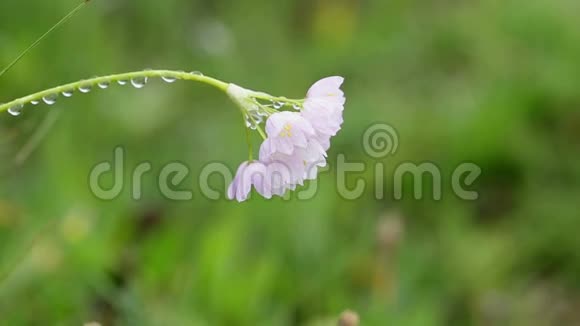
<point x="328" y="88"/>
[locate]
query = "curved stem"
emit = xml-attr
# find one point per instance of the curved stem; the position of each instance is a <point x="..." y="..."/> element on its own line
<point x="114" y="78"/>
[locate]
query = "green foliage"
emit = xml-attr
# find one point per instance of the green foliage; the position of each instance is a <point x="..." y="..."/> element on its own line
<point x="492" y="82"/>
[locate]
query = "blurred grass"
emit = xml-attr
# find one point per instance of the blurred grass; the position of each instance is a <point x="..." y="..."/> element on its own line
<point x="493" y="82"/>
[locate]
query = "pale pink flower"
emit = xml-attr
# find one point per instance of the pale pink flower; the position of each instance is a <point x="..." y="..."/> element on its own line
<point x="328" y="88"/>
<point x="296" y="142"/>
<point x="280" y="176"/>
<point x="323" y="108"/>
<point x="269" y="179"/>
<point x="301" y="165"/>
<point x="286" y="131"/>
<point x="250" y="174"/>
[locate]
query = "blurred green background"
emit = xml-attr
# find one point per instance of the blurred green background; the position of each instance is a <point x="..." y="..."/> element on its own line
<point x="491" y="82"/>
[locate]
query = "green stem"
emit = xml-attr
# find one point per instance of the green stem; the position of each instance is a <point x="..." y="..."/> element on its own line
<point x="114" y="78"/>
<point x="282" y="99"/>
<point x="261" y="132"/>
<point x="258" y="128"/>
<point x="249" y="141"/>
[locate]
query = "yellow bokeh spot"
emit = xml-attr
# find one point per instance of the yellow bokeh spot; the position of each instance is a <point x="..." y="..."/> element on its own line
<point x="76" y="226"/>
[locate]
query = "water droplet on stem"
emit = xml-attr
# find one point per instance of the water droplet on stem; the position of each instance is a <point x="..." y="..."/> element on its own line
<point x="16" y="109"/>
<point x="168" y="79"/>
<point x="85" y="89"/>
<point x="50" y="99"/>
<point x="104" y="85"/>
<point x="139" y="82"/>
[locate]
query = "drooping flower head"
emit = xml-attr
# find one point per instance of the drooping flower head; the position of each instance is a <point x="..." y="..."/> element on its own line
<point x="295" y="143"/>
<point x="268" y="179"/>
<point x="323" y="108"/>
<point x="286" y="131"/>
<point x="249" y="174"/>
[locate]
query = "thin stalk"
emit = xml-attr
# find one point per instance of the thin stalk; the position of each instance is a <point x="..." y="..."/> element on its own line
<point x="43" y="36"/>
<point x="249" y="141"/>
<point x="282" y="99"/>
<point x="37" y="137"/>
<point x="258" y="128"/>
<point x="114" y="78"/>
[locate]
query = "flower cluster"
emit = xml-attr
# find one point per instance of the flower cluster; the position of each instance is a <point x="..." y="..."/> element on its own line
<point x="295" y="143"/>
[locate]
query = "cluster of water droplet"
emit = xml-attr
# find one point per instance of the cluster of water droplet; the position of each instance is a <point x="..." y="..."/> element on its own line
<point x="260" y="112"/>
<point x="254" y="118"/>
<point x="254" y="115"/>
<point x="280" y="104"/>
<point x="138" y="82"/>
